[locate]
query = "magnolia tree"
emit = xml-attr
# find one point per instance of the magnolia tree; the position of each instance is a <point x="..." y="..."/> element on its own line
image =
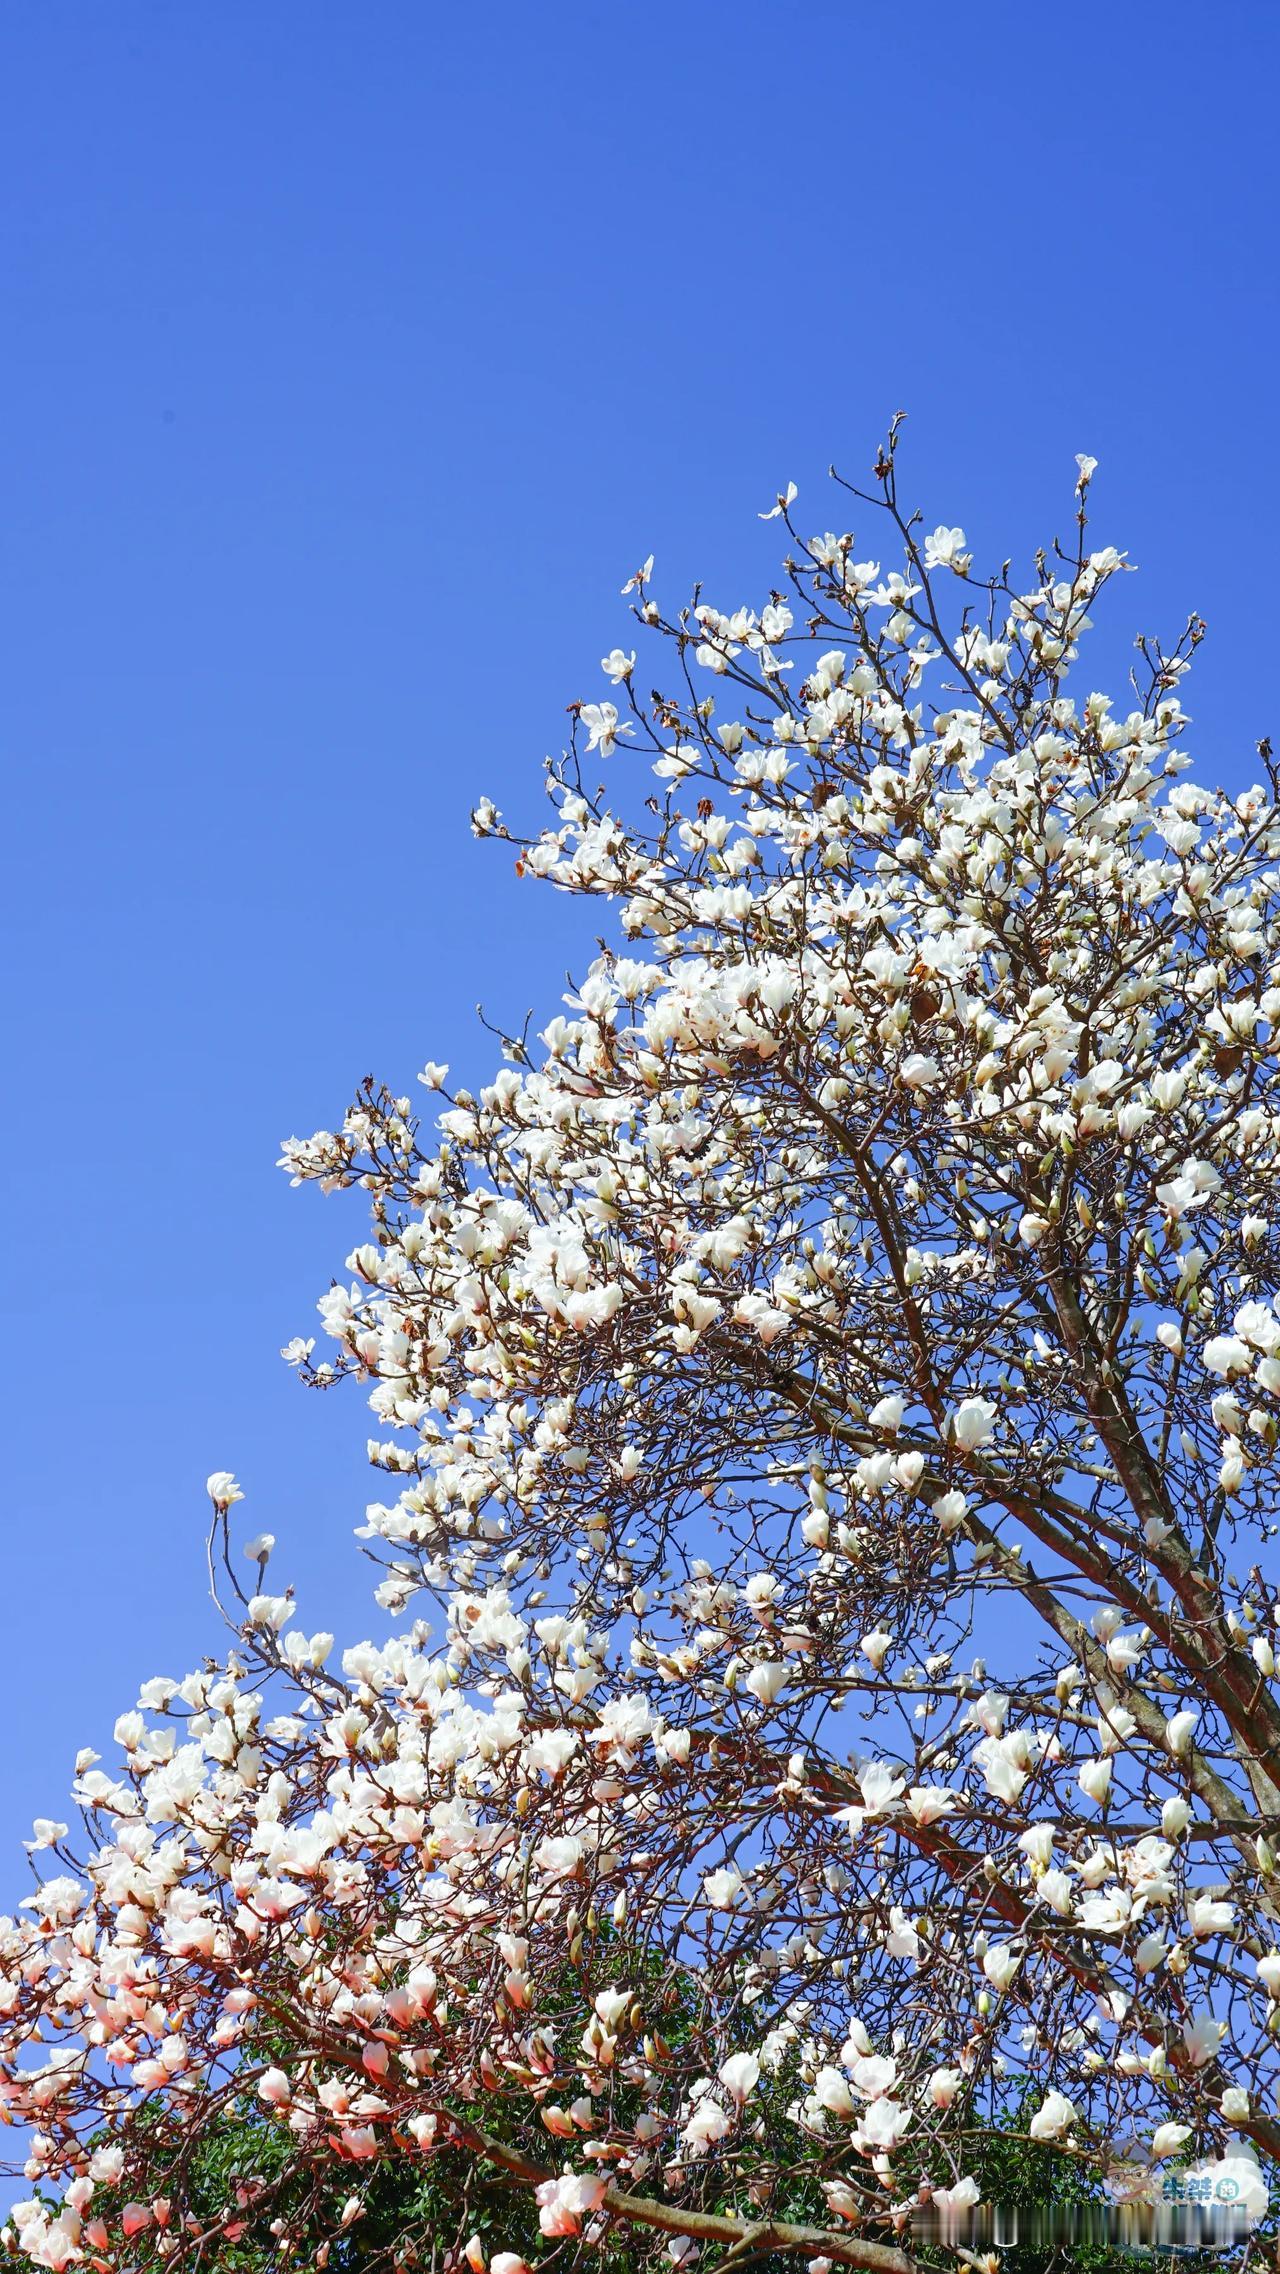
<point x="827" y="1392"/>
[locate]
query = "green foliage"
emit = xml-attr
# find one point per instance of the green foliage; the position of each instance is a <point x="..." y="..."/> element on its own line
<point x="415" y="2207"/>
<point x="1029" y="2175"/>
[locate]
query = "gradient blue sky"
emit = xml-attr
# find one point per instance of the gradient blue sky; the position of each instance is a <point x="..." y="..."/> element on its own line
<point x="354" y="356"/>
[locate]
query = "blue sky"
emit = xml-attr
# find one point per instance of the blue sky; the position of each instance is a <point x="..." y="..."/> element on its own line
<point x="354" y="357"/>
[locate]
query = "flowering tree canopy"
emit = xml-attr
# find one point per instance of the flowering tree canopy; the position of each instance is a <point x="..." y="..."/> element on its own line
<point x="827" y="1391"/>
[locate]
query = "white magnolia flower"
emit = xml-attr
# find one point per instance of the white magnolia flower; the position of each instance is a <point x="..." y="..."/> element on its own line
<point x="1226" y="1354"/>
<point x="786" y="498"/>
<point x="973" y="1423"/>
<point x="1037" y="1843"/>
<point x="1095" y="1779"/>
<point x="740" y="2075"/>
<point x="950" y="1509"/>
<point x="881" y="1788"/>
<point x="723" y="1888"/>
<point x="1207" y="1916"/>
<point x="796" y="1295"/>
<point x="1000" y="1963"/>
<point x="1167" y="2139"/>
<point x="1054" y="2116"/>
<point x="881" y="2126"/>
<point x="919" y="1071"/>
<point x="876" y="1647"/>
<point x="767" y="1682"/>
<point x="603" y="726"/>
<point x="1179" y="1730"/>
<point x="945" y="548"/>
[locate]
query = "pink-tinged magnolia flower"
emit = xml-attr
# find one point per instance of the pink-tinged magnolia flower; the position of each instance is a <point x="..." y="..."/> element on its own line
<point x="928" y="1803"/>
<point x="1202" y="2036"/>
<point x="564" y="2203"/>
<point x="873" y="2075"/>
<point x="708" y="2123"/>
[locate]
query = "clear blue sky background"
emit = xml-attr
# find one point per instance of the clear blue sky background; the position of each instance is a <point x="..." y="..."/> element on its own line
<point x="353" y="357"/>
